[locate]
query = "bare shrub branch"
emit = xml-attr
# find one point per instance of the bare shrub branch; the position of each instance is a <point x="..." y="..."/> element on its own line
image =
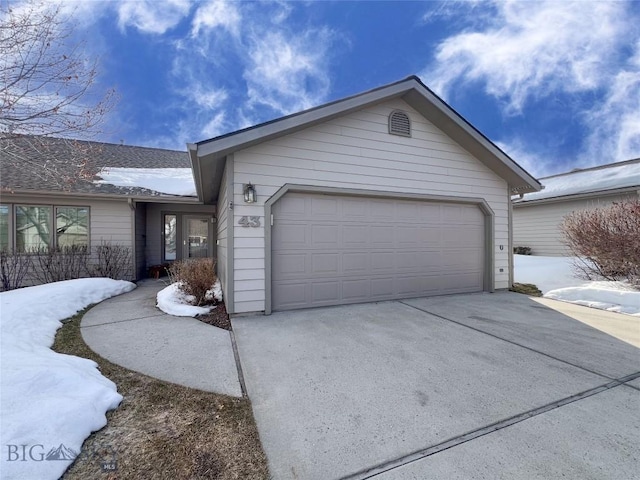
<point x="56" y="265"/>
<point x="606" y="241"/>
<point x="14" y="266"/>
<point x="195" y="277"/>
<point x="112" y="261"/>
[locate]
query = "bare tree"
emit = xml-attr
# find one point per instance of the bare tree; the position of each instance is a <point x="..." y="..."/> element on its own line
<point x="606" y="241"/>
<point x="46" y="80"/>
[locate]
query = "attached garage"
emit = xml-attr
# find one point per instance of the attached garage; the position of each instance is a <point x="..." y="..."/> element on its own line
<point x="386" y="195"/>
<point x="341" y="249"/>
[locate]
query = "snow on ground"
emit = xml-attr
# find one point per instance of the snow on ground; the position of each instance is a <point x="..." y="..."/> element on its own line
<point x="555" y="277"/>
<point x="49" y="402"/>
<point x="172" y="181"/>
<point x="173" y="301"/>
<point x="588" y="181"/>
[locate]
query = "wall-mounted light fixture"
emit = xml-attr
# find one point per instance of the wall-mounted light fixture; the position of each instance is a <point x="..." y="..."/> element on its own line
<point x="249" y="193"/>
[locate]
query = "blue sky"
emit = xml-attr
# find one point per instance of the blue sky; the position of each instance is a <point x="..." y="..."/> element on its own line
<point x="555" y="84"/>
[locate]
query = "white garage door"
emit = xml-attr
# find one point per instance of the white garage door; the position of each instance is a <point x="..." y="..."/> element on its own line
<point x="333" y="250"/>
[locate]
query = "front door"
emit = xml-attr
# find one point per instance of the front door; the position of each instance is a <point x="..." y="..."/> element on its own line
<point x="196" y="236"/>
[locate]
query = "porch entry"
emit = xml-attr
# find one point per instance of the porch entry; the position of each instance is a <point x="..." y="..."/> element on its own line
<point x="187" y="236"/>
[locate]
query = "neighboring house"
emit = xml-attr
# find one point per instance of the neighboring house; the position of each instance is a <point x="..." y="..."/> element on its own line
<point x="537" y="216"/>
<point x="108" y="203"/>
<point x="384" y="195"/>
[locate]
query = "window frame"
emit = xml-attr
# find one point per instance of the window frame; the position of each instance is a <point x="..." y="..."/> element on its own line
<point x="10" y="229"/>
<point x="55" y="217"/>
<point x="53" y="238"/>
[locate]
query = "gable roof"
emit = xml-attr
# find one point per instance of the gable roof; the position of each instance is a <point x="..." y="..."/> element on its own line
<point x="207" y="157"/>
<point x="612" y="178"/>
<point x="46" y="165"/>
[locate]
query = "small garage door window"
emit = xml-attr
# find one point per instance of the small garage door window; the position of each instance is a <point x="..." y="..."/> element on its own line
<point x="332" y="250"/>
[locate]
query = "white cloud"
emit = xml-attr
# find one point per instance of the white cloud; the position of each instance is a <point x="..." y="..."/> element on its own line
<point x="150" y="16"/>
<point x="531" y="49"/>
<point x="535" y="51"/>
<point x="615" y="123"/>
<point x="288" y="73"/>
<point x="214" y="14"/>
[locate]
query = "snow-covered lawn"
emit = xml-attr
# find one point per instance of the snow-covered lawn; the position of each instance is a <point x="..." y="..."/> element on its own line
<point x="49" y="402"/>
<point x="555" y="277"/>
<point x="173" y="301"/>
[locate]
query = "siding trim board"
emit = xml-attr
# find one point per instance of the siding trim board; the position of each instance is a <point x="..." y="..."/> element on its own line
<point x="229" y="300"/>
<point x="293" y="188"/>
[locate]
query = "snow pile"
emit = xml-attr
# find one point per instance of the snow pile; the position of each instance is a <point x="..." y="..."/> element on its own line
<point x="554" y="276"/>
<point x="171" y="181"/>
<point x="49" y="402"/>
<point x="612" y="296"/>
<point x="588" y="181"/>
<point x="175" y="302"/>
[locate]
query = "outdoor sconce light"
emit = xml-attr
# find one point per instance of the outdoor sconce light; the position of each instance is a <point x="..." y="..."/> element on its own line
<point x="249" y="193"/>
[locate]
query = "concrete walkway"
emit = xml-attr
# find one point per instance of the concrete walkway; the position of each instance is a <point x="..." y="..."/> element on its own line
<point x="130" y="331"/>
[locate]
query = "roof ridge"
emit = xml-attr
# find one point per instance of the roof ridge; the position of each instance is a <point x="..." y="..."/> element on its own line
<point x="97" y="142"/>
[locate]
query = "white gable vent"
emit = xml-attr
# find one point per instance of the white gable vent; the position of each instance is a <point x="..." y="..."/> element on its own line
<point x="399" y="123"/>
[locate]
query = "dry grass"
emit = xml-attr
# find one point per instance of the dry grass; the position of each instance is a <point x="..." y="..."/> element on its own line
<point x="162" y="430"/>
<point x="527" y="289"/>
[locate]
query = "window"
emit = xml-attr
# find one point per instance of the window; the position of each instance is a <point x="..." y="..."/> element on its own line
<point x="72" y="227"/>
<point x="33" y="228"/>
<point x="4" y="227"/>
<point x="170" y="239"/>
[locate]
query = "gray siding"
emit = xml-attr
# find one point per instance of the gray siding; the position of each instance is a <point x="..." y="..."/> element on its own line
<point x="155" y="211"/>
<point x="538" y="225"/>
<point x="109" y="220"/>
<point x="356" y="151"/>
<point x="222" y="232"/>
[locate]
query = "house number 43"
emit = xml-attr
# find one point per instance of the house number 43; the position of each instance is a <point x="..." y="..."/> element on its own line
<point x="249" y="221"/>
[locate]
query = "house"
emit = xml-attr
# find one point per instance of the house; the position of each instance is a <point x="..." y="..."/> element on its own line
<point x="383" y="195"/>
<point x="537" y="216"/>
<point x="58" y="192"/>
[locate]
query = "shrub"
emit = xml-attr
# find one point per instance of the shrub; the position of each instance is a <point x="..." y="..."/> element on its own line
<point x="112" y="261"/>
<point x="606" y="241"/>
<point x="57" y="264"/>
<point x="522" y="250"/>
<point x="195" y="277"/>
<point x="13" y="268"/>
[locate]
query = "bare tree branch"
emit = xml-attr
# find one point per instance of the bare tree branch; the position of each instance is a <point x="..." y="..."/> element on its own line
<point x="46" y="80"/>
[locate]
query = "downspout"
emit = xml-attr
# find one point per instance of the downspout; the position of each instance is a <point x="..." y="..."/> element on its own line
<point x="510" y="245"/>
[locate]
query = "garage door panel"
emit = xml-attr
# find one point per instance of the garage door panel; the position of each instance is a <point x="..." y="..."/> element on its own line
<point x="287" y="264"/>
<point x="325" y="292"/>
<point x="325" y="263"/>
<point x="356" y="289"/>
<point x="324" y="206"/>
<point x="381" y="236"/>
<point x="335" y="250"/>
<point x="290" y="236"/>
<point x="383" y="262"/>
<point x="323" y="236"/>
<point x="355" y="235"/>
<point x="355" y="263"/>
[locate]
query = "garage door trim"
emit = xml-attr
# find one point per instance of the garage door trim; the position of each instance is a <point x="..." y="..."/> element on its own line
<point x="291" y="188"/>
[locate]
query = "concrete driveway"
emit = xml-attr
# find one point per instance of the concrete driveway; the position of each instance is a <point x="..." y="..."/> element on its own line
<point x="459" y="387"/>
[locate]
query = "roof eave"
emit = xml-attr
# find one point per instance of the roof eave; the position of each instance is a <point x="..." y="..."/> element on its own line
<point x="102" y="196"/>
<point x="578" y="196"/>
